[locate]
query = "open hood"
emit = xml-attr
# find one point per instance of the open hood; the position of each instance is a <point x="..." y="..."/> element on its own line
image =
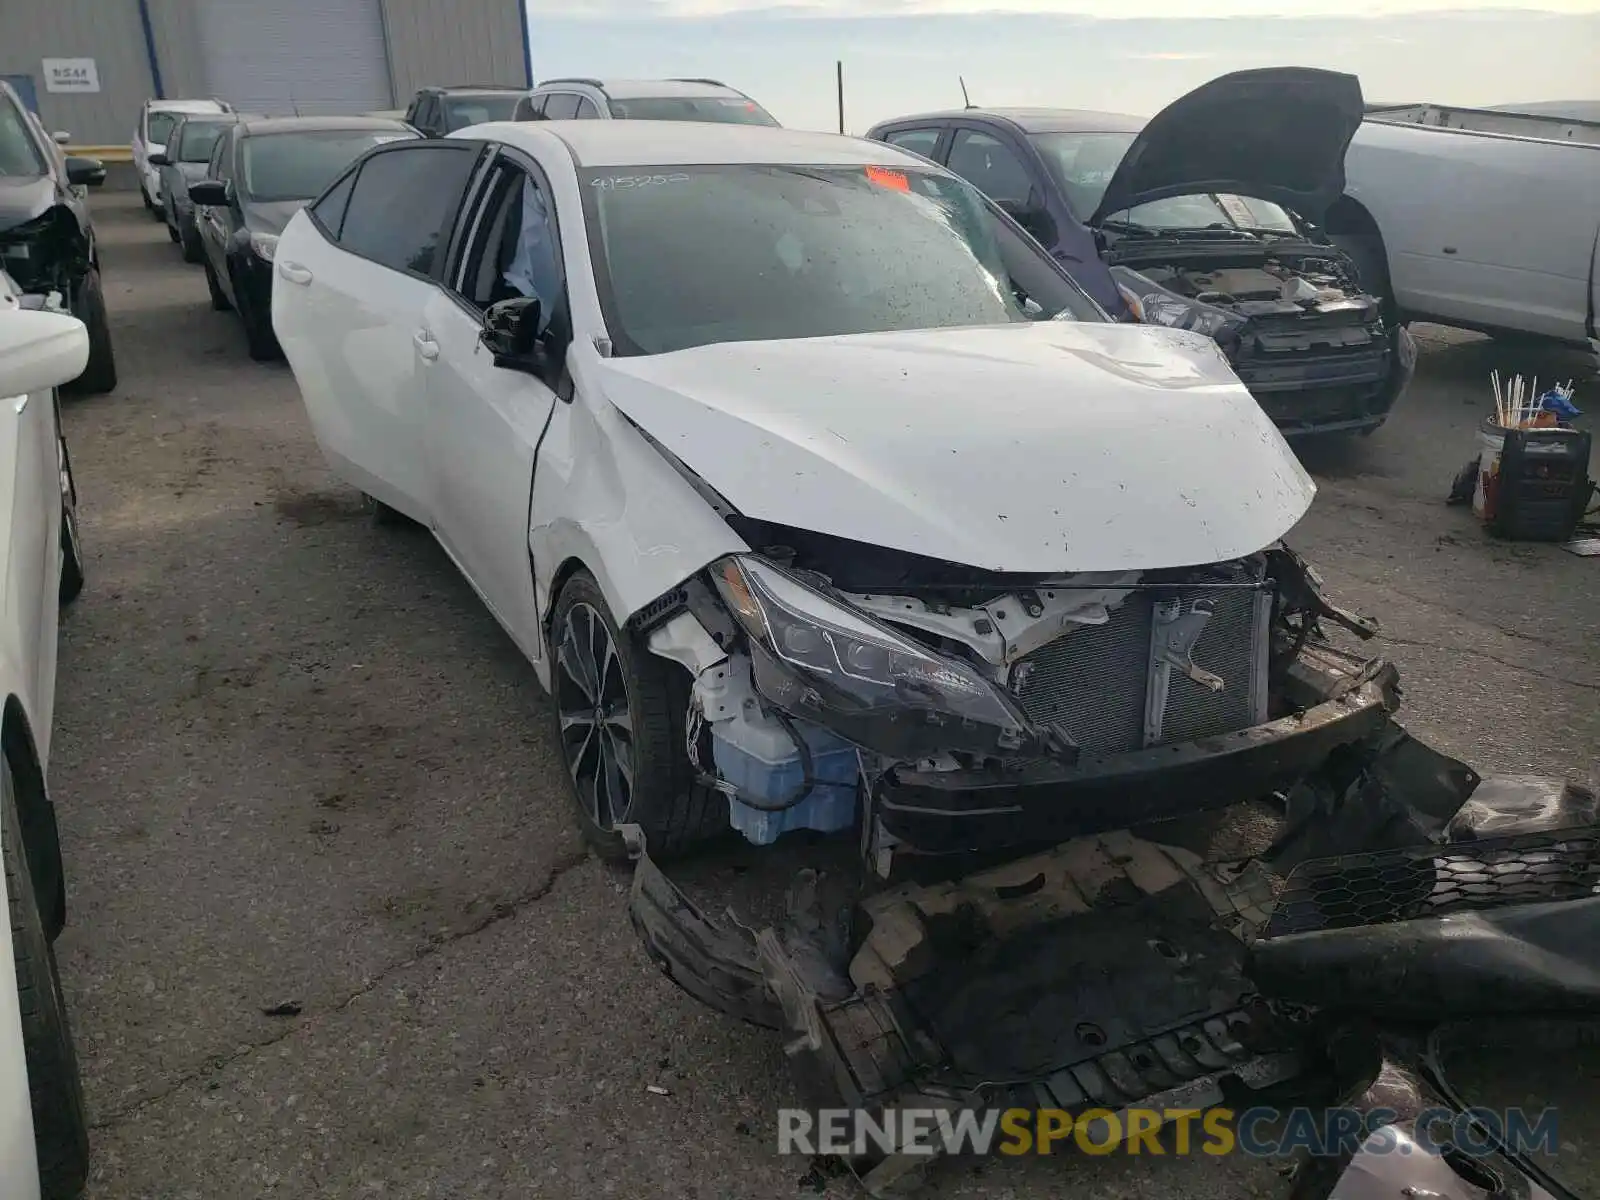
<point x="1278" y="134"/>
<point x="1049" y="447"/>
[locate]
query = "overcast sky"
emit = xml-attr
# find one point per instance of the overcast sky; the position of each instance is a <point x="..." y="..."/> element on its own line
<point x="1133" y="56"/>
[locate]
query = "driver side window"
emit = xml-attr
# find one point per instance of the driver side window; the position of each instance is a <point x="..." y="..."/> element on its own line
<point x="517" y="248"/>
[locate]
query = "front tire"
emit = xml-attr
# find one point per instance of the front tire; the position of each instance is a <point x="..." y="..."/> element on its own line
<point x="619" y="713"/>
<point x="219" y="301"/>
<point x="55" y="1090"/>
<point x="189" y="239"/>
<point x="100" y="374"/>
<point x="261" y="341"/>
<point x="72" y="565"/>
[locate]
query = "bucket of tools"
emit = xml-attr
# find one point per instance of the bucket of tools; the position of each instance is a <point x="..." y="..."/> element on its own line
<point x="1532" y="481"/>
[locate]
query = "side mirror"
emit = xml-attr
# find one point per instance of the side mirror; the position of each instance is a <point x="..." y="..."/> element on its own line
<point x="41" y="350"/>
<point x="511" y="333"/>
<point x="209" y="193"/>
<point x="160" y="160"/>
<point x="61" y="137"/>
<point x="1032" y="217"/>
<point x="90" y="172"/>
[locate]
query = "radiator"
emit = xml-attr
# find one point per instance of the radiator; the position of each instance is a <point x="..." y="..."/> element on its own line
<point x="1100" y="684"/>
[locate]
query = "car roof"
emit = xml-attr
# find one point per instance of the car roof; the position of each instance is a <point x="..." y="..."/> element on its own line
<point x="1037" y="120"/>
<point x="443" y="88"/>
<point x="186" y="106"/>
<point x="692" y="143"/>
<point x="251" y="127"/>
<point x="647" y="89"/>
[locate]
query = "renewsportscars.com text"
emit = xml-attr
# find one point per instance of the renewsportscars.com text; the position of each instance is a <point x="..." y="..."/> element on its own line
<point x="1258" y="1132"/>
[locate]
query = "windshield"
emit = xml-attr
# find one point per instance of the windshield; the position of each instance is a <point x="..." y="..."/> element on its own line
<point x="297" y="166"/>
<point x="18" y="154"/>
<point x="196" y="139"/>
<point x="723" y="110"/>
<point x="1083" y="163"/>
<point x="158" y="127"/>
<point x="461" y="111"/>
<point x="687" y="256"/>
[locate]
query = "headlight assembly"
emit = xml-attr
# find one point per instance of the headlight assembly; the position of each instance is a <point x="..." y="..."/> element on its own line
<point x="817" y="659"/>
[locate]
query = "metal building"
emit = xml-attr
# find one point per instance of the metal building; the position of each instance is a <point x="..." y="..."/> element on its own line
<point x="87" y="66"/>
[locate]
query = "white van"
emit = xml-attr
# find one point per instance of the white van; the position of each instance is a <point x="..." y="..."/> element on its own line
<point x="156" y="119"/>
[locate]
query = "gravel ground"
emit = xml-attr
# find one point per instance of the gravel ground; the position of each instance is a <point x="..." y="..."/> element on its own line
<point x="297" y="761"/>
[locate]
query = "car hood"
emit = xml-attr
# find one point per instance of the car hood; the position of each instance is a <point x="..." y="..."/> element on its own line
<point x="1278" y="134"/>
<point x="23" y="197"/>
<point x="270" y="216"/>
<point x="1047" y="447"/>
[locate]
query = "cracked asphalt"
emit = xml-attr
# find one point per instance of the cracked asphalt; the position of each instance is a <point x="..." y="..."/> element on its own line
<point x="299" y="767"/>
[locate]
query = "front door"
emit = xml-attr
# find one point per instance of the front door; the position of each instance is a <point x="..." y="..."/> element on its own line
<point x="484" y="422"/>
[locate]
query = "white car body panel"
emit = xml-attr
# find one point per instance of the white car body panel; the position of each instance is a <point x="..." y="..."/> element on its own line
<point x="1484" y="229"/>
<point x="350" y="333"/>
<point x="1050" y="447"/>
<point x="1060" y="446"/>
<point x="150" y="176"/>
<point x="30" y="571"/>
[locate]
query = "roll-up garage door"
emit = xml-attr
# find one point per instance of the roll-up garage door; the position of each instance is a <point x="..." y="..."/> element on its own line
<point x="282" y="57"/>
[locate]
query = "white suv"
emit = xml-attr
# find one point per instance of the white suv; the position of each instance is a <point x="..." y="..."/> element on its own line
<point x="641" y="100"/>
<point x="156" y="120"/>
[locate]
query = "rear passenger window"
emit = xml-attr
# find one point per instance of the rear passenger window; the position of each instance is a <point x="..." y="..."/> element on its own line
<point x="918" y="141"/>
<point x="561" y="106"/>
<point x="329" y="210"/>
<point x="401" y="204"/>
<point x="587" y="111"/>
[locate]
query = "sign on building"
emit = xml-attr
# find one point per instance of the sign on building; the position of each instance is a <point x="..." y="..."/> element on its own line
<point x="71" y="75"/>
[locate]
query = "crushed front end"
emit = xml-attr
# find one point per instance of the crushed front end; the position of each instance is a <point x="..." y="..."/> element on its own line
<point x="1309" y="343"/>
<point x="1028" y="765"/>
<point x="946" y="711"/>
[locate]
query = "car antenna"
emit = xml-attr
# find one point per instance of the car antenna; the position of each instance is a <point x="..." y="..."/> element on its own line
<point x="965" y="100"/>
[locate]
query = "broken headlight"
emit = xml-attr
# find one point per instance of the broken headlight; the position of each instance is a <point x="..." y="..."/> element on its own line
<point x="819" y="660"/>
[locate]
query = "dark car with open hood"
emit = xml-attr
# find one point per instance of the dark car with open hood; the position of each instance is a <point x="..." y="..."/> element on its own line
<point x="263" y="171"/>
<point x="1205" y="217"/>
<point x="47" y="241"/>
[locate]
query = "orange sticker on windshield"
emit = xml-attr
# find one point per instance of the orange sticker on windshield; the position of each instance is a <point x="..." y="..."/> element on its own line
<point x="885" y="178"/>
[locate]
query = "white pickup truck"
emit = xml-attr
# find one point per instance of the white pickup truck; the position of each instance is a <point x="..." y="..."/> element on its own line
<point x="1478" y="218"/>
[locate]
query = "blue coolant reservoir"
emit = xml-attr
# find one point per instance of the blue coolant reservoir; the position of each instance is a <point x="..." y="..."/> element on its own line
<point x="757" y="755"/>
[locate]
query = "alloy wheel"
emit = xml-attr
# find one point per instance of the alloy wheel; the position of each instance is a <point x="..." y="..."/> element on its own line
<point x="596" y="722"/>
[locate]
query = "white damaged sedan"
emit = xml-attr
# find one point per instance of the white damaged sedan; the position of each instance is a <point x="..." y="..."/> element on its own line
<point x="818" y="495"/>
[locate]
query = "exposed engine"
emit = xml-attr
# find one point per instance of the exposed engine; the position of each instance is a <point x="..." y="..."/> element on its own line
<point x="851" y="667"/>
<point x="1310" y="345"/>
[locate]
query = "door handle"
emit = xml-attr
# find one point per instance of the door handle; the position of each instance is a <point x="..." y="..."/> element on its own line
<point x="426" y="346"/>
<point x="294" y="273"/>
<point x="1449" y="249"/>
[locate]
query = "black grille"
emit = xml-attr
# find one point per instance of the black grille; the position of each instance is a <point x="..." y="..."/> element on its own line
<point x="1425" y="881"/>
<point x="1092" y="681"/>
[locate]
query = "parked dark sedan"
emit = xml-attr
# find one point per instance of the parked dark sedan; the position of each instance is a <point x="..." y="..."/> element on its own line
<point x="1204" y="217"/>
<point x="47" y="241"/>
<point x="184" y="161"/>
<point x="261" y="173"/>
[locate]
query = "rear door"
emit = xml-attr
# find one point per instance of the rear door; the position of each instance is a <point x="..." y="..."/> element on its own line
<point x="484" y="422"/>
<point x="352" y="278"/>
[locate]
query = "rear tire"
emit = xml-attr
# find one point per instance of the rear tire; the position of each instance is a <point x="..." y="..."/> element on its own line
<point x="628" y="765"/>
<point x="100" y="374"/>
<point x="55" y="1090"/>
